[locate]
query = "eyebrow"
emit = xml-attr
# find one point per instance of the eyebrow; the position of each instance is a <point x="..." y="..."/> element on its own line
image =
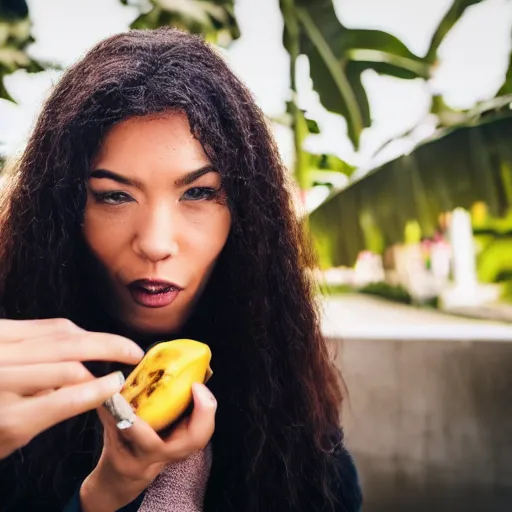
<point x="109" y="175"/>
<point x="190" y="177"/>
<point x="183" y="181"/>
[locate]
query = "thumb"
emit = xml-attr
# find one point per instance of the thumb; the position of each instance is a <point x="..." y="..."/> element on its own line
<point x="203" y="397"/>
<point x="202" y="420"/>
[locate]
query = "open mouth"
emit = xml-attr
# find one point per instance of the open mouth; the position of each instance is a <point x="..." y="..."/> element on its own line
<point x="153" y="294"/>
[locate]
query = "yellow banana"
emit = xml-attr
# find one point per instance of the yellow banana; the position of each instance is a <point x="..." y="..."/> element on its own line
<point x="160" y="387"/>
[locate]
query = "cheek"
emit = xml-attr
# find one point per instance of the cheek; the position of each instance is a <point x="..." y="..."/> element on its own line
<point x="103" y="237"/>
<point x="208" y="237"/>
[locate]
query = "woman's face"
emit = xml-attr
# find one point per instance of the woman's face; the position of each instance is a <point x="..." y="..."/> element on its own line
<point x="156" y="221"/>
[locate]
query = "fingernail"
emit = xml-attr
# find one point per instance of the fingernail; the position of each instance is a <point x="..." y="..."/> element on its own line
<point x="121" y="410"/>
<point x="137" y="352"/>
<point x="121" y="378"/>
<point x="115" y="381"/>
<point x="204" y="394"/>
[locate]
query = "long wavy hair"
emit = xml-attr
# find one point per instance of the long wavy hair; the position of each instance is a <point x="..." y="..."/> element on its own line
<point x="278" y="391"/>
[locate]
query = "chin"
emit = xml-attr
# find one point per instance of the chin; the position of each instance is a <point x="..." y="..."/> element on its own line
<point x="149" y="328"/>
<point x="158" y="324"/>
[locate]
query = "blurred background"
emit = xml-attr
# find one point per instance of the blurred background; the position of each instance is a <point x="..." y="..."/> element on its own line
<point x="394" y="119"/>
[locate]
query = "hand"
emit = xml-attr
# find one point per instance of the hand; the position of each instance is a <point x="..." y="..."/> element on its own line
<point x="133" y="457"/>
<point x="42" y="380"/>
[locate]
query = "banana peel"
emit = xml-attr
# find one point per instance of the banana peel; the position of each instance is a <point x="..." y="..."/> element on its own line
<point x="159" y="389"/>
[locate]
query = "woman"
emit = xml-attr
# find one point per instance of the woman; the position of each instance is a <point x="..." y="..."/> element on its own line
<point x="151" y="204"/>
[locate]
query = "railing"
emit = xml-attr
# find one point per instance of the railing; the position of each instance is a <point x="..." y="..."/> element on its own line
<point x="429" y="415"/>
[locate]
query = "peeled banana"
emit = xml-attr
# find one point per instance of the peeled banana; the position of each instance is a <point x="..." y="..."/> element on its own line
<point x="159" y="389"/>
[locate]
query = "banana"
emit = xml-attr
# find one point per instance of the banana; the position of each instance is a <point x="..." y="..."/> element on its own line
<point x="159" y="389"/>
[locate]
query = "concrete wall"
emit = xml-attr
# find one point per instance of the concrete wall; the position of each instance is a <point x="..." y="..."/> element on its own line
<point x="429" y="423"/>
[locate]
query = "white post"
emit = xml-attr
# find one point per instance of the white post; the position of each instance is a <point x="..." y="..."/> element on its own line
<point x="463" y="250"/>
<point x="465" y="283"/>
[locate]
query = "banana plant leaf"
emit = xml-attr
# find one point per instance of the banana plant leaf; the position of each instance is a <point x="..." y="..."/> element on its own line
<point x="506" y="88"/>
<point x="339" y="55"/>
<point x="451" y="17"/>
<point x="457" y="168"/>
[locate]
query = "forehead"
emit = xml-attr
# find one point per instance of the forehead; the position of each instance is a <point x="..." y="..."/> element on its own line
<point x="162" y="140"/>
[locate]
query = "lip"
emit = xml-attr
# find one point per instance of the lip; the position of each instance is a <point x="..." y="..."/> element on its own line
<point x="153" y="293"/>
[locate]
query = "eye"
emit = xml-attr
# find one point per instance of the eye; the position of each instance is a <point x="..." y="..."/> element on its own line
<point x="199" y="194"/>
<point x="112" y="198"/>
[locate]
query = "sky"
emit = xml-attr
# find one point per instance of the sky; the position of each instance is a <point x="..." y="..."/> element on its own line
<point x="473" y="63"/>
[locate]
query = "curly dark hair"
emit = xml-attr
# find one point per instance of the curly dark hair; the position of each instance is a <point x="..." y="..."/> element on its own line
<point x="278" y="391"/>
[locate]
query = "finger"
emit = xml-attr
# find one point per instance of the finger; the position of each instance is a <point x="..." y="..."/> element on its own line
<point x="31" y="379"/>
<point x="112" y="438"/>
<point x="6" y="397"/>
<point x="18" y="330"/>
<point x="121" y="411"/>
<point x="79" y="346"/>
<point x="44" y="392"/>
<point x="195" y="433"/>
<point x="141" y="437"/>
<point x="40" y="413"/>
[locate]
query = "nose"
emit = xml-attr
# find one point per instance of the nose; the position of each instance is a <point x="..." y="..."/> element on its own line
<point x="156" y="234"/>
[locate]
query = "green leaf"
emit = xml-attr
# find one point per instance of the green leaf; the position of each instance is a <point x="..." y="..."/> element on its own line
<point x="354" y="71"/>
<point x="338" y="55"/>
<point x="12" y="59"/>
<point x="382" y="52"/>
<point x="4" y="94"/>
<point x="506" y="88"/>
<point x="214" y="20"/>
<point x="312" y="126"/>
<point x="329" y="77"/>
<point x="375" y="40"/>
<point x="388" y="64"/>
<point x="446" y="115"/>
<point x="15" y="37"/>
<point x="300" y="130"/>
<point x="332" y="163"/>
<point x="449" y="19"/>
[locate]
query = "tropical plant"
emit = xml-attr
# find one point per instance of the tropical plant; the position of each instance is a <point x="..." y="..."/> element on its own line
<point x="339" y="55"/>
<point x="213" y="19"/>
<point x="374" y="212"/>
<point x="459" y="166"/>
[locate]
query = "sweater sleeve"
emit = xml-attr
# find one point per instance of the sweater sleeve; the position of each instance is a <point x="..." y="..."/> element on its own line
<point x="74" y="503"/>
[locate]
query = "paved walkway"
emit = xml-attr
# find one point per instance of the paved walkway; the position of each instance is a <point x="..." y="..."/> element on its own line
<point x="365" y="317"/>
